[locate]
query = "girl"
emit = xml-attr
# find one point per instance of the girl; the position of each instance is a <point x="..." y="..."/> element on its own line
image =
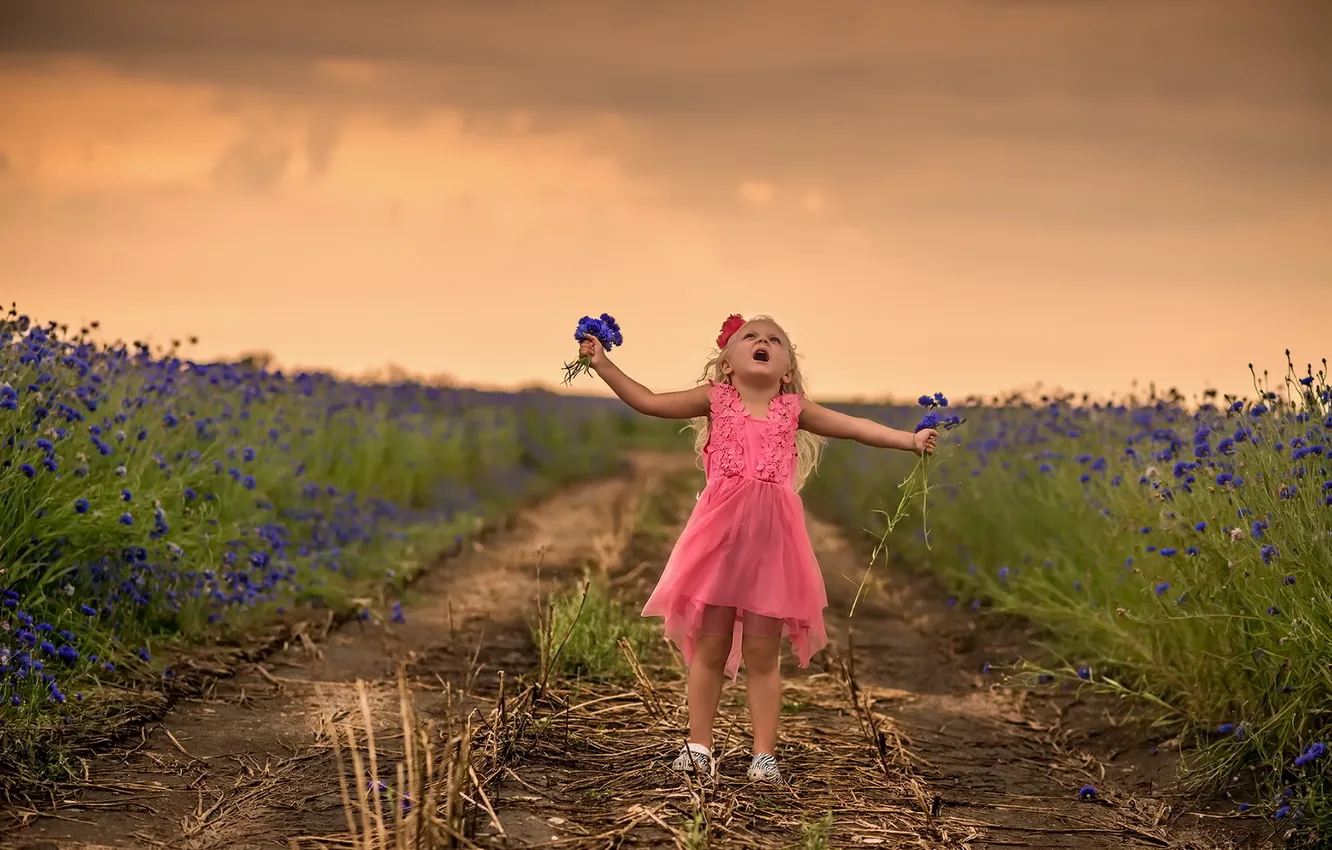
<point x="743" y="573"/>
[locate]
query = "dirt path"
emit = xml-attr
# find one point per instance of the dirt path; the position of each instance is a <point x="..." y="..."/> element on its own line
<point x="900" y="742"/>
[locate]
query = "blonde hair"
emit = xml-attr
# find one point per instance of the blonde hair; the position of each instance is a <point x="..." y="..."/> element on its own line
<point x="809" y="447"/>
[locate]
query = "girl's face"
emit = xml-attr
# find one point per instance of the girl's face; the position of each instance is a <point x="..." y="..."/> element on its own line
<point x="759" y="352"/>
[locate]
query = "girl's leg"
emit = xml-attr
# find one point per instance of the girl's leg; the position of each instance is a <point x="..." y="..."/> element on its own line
<point x="707" y="670"/>
<point x="761" y="647"/>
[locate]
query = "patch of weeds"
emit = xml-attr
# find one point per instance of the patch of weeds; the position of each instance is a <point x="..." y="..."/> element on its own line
<point x="816" y="834"/>
<point x="794" y="707"/>
<point x="578" y="633"/>
<point x="696" y="833"/>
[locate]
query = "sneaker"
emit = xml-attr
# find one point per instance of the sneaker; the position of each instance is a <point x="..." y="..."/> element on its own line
<point x="693" y="757"/>
<point x="764" y="768"/>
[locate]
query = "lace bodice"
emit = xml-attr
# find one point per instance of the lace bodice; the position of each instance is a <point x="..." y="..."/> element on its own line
<point x="741" y="446"/>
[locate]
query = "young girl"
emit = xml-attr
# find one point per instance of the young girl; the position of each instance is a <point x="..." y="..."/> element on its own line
<point x="743" y="573"/>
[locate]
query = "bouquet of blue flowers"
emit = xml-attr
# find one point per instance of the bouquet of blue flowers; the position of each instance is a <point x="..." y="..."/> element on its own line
<point x="607" y="332"/>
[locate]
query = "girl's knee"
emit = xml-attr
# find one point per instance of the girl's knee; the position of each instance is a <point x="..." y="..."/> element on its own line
<point x="761" y="654"/>
<point x="712" y="651"/>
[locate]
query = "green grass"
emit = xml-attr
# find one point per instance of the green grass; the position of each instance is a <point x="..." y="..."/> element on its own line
<point x="816" y="835"/>
<point x="579" y="632"/>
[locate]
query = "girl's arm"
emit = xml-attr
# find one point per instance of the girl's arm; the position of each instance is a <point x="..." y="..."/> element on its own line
<point x="817" y="419"/>
<point x="685" y="404"/>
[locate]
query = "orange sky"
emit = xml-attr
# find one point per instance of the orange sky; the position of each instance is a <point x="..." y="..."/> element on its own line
<point x="955" y="196"/>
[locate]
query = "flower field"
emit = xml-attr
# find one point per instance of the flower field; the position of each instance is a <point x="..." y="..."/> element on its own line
<point x="147" y="500"/>
<point x="1178" y="552"/>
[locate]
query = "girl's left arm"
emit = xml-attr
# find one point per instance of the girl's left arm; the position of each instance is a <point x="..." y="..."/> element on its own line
<point x="817" y="419"/>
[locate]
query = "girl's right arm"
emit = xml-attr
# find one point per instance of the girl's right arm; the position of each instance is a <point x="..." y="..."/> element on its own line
<point x="685" y="404"/>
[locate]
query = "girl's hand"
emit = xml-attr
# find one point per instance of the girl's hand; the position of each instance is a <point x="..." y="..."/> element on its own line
<point x="923" y="441"/>
<point x="591" y="348"/>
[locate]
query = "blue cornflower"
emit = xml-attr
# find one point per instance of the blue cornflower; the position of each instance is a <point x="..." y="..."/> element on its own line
<point x="88" y="610"/>
<point x="80" y="506"/>
<point x="925" y="401"/>
<point x="1226" y="728"/>
<point x="1257" y="528"/>
<point x="1087" y="792"/>
<point x="1162" y="588"/>
<point x="126" y="495"/>
<point x="1084" y="673"/>
<point x="1311" y="753"/>
<point x="398" y="616"/>
<point x="126" y="519"/>
<point x="1201" y="526"/>
<point x="1168" y="551"/>
<point x="1268" y="553"/>
<point x="248" y="482"/>
<point x="27" y="470"/>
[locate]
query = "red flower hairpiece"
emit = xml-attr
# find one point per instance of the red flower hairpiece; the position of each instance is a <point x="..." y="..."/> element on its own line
<point x="732" y="324"/>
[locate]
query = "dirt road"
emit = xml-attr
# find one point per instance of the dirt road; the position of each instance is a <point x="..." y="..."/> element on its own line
<point x="893" y="738"/>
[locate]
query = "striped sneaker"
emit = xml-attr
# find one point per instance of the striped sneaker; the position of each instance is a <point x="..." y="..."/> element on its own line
<point x="764" y="768"/>
<point x="693" y="757"/>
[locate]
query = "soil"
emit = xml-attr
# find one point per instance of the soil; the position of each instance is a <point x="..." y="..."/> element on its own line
<point x="893" y="731"/>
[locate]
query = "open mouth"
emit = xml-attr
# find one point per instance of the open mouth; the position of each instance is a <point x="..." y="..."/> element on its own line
<point x="761" y="355"/>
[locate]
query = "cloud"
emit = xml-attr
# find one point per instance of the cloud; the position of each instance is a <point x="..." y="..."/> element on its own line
<point x="750" y="57"/>
<point x="848" y="94"/>
<point x="320" y="141"/>
<point x="252" y="165"/>
<point x="755" y="192"/>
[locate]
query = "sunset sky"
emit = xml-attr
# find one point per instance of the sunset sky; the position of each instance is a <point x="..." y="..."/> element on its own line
<point x="946" y="195"/>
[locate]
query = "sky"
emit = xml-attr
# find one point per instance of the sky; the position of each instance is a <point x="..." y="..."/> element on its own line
<point x="966" y="197"/>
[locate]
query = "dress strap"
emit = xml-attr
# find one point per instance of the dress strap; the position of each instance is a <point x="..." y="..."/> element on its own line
<point x="724" y="400"/>
<point x="790" y="405"/>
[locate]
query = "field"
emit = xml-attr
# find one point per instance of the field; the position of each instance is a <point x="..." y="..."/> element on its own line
<point x="280" y="568"/>
<point x="1177" y="555"/>
<point x="152" y="503"/>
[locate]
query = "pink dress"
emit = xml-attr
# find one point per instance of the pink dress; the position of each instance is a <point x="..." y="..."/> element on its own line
<point x="745" y="545"/>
